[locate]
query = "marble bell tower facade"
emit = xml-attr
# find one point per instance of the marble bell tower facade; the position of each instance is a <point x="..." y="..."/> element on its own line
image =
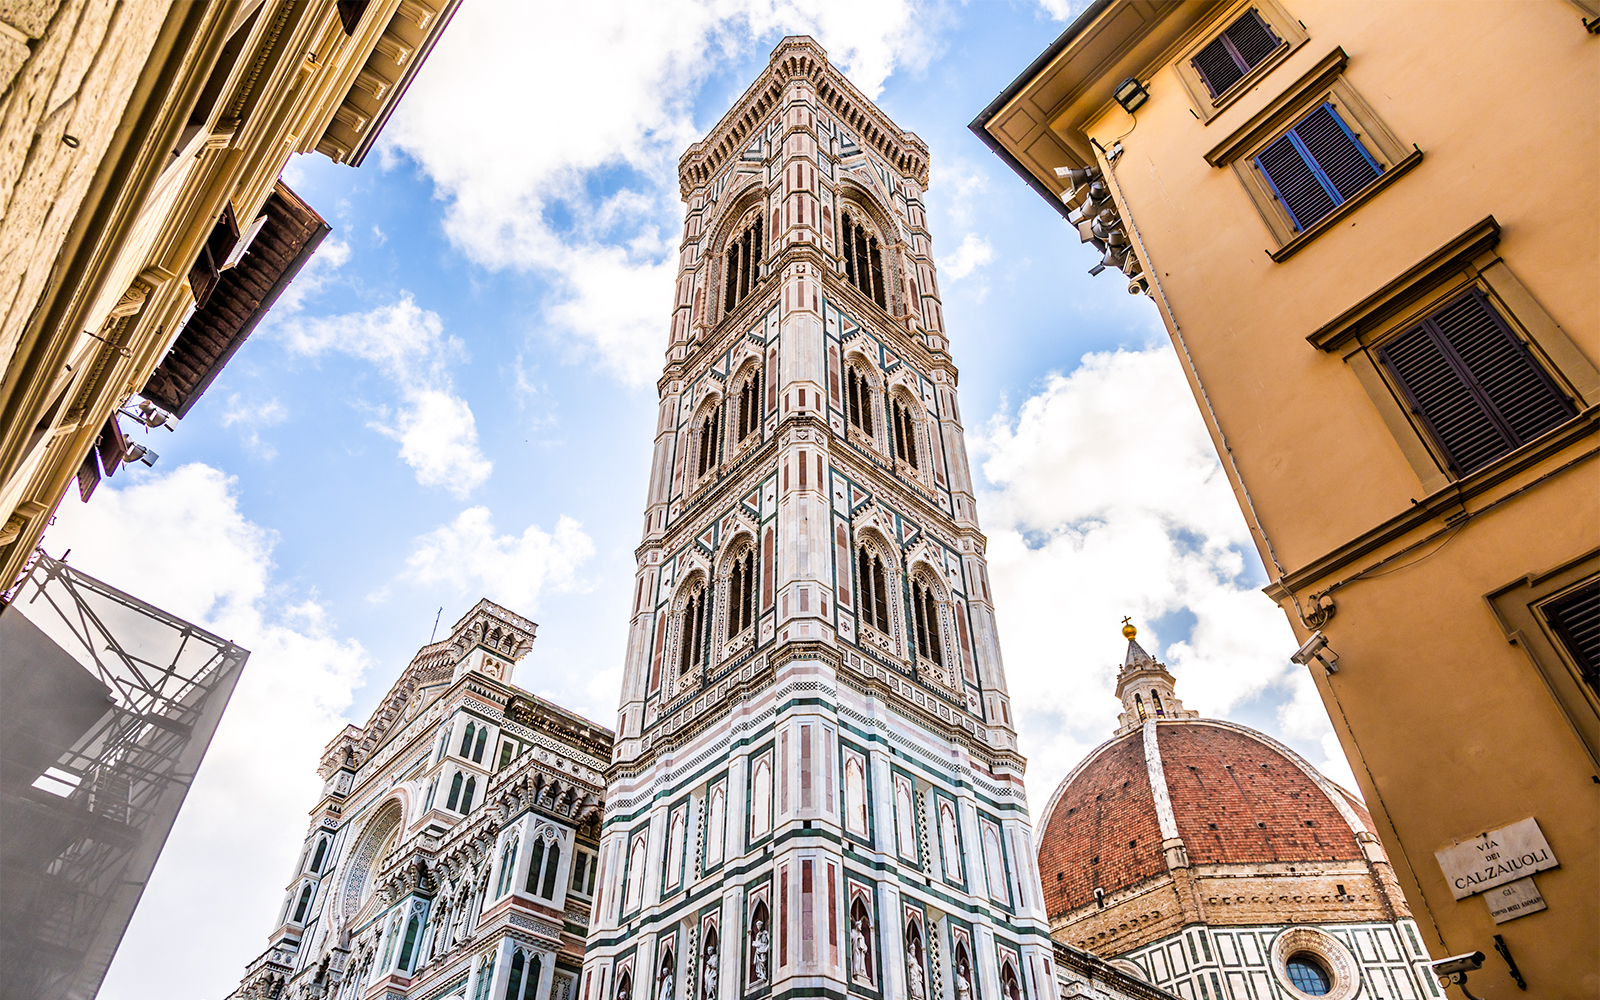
<point x="815" y="788"/>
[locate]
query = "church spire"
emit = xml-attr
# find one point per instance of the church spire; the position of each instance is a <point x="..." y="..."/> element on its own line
<point x="1145" y="686"/>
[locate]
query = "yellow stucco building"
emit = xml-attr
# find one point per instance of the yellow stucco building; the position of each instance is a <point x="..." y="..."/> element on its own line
<point x="1371" y="233"/>
<point x="143" y="227"/>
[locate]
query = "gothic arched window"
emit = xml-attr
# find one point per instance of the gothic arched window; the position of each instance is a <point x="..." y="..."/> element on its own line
<point x="1155" y="699"/>
<point x="305" y="902"/>
<point x="749" y="414"/>
<point x="873" y="588"/>
<point x="858" y="400"/>
<point x="477" y="748"/>
<point x="552" y="862"/>
<point x="514" y="980"/>
<point x="925" y="612"/>
<point x="1138" y="702"/>
<point x="904" y="425"/>
<point x="693" y="634"/>
<point x="709" y="427"/>
<point x="863" y="259"/>
<point x="466" y="795"/>
<point x="742" y="264"/>
<point x="316" y="859"/>
<point x="466" y="739"/>
<point x="408" y="947"/>
<point x="535" y="866"/>
<point x="742" y="593"/>
<point x="455" y="792"/>
<point x="508" y="862"/>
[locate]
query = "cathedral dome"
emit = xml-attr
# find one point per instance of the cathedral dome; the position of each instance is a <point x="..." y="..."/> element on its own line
<point x="1179" y="820"/>
<point x="1227" y="794"/>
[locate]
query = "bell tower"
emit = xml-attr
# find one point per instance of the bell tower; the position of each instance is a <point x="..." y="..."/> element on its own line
<point x="815" y="786"/>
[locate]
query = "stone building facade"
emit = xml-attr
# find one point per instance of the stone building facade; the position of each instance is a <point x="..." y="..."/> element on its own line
<point x="143" y="226"/>
<point x="1209" y="859"/>
<point x="816" y="787"/>
<point x="454" y="849"/>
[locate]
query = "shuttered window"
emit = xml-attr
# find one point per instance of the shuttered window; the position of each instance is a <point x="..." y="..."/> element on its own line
<point x="1316" y="166"/>
<point x="1241" y="47"/>
<point x="1576" y="620"/>
<point x="1473" y="383"/>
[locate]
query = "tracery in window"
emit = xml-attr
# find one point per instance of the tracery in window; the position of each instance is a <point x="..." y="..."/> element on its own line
<point x="710" y="425"/>
<point x="872" y="586"/>
<point x="863" y="258"/>
<point x="742" y="263"/>
<point x="749" y="405"/>
<point x="693" y="634"/>
<point x="904" y="425"/>
<point x="858" y="400"/>
<point x="742" y="593"/>
<point x="925" y="614"/>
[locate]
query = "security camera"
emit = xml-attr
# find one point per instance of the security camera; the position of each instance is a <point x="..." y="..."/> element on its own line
<point x="1314" y="645"/>
<point x="1458" y="965"/>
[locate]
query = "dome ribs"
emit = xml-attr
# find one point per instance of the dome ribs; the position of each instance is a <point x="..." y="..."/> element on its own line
<point x="1087" y="840"/>
<point x="1259" y="801"/>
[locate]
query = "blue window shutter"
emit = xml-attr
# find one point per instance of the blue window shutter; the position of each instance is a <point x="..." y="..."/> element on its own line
<point x="1338" y="156"/>
<point x="1294" y="182"/>
<point x="1316" y="166"/>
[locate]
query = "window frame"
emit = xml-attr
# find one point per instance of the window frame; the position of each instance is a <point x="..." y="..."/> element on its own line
<point x="1518" y="608"/>
<point x="1466" y="262"/>
<point x="1323" y="84"/>
<point x="1292" y="34"/>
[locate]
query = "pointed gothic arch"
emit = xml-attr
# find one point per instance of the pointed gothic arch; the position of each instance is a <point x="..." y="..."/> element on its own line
<point x="705" y="440"/>
<point x="692" y="626"/>
<point x="878" y="584"/>
<point x="736" y="577"/>
<point x="746" y="413"/>
<point x="742" y="252"/>
<point x="863" y="395"/>
<point x="907" y="441"/>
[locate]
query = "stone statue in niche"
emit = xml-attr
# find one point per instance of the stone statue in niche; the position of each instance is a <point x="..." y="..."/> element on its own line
<point x="760" y="945"/>
<point x="963" y="975"/>
<point x="665" y="992"/>
<point x="916" y="986"/>
<point x="708" y="974"/>
<point x="859" y="970"/>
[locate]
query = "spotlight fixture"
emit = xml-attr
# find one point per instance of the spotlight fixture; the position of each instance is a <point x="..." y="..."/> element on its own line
<point x="1131" y="94"/>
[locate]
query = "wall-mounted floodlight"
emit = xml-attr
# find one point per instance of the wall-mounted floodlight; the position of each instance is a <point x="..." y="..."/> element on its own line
<point x="1131" y="94"/>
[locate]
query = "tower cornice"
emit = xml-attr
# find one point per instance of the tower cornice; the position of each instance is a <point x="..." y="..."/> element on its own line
<point x="800" y="57"/>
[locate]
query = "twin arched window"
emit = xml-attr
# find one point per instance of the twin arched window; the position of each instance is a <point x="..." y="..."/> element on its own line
<point x="694" y="635"/>
<point x="872" y="585"/>
<point x="925" y="614"/>
<point x="750" y="405"/>
<point x="461" y="793"/>
<point x="542" y="865"/>
<point x="904" y="425"/>
<point x="863" y="259"/>
<point x="473" y="748"/>
<point x="858" y="400"/>
<point x="303" y="905"/>
<point x="710" y="425"/>
<point x="742" y="593"/>
<point x="743" y="263"/>
<point x="515" y="990"/>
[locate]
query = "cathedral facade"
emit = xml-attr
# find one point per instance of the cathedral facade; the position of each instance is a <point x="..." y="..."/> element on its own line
<point x="815" y="788"/>
<point x="453" y="852"/>
<point x="1208" y="859"/>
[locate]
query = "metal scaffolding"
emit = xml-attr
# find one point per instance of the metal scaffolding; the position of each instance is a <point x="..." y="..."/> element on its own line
<point x="107" y="705"/>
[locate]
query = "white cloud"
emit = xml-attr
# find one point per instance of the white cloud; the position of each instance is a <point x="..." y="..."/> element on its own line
<point x="259" y="776"/>
<point x="436" y="430"/>
<point x="332" y="254"/>
<point x="468" y="556"/>
<point x="627" y="76"/>
<point x="1107" y="500"/>
<point x="1064" y="10"/>
<point x="973" y="253"/>
<point x="954" y="187"/>
<point x="251" y="418"/>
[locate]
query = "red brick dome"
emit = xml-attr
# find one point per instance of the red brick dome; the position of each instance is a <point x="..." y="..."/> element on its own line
<point x="1218" y="792"/>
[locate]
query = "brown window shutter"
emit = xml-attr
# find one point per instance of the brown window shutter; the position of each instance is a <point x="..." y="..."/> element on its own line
<point x="1473" y="383"/>
<point x="1576" y="621"/>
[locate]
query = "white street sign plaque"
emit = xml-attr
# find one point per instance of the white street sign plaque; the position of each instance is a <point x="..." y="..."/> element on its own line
<point x="1495" y="858"/>
<point x="1514" y="899"/>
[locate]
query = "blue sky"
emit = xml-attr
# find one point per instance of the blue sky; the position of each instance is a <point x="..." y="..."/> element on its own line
<point x="456" y="400"/>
